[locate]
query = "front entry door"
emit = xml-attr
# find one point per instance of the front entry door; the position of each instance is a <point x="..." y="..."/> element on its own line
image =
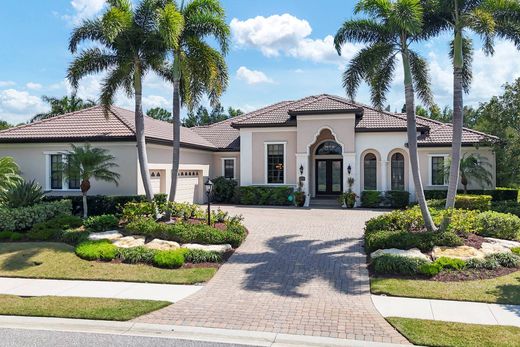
<point x="329" y="176"/>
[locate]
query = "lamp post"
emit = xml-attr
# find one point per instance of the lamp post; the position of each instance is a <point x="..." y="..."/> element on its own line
<point x="209" y="188"/>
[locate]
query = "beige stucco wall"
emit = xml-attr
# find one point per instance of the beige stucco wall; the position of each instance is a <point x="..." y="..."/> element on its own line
<point x="31" y="157"/>
<point x="259" y="138"/>
<point x="217" y="163"/>
<point x="342" y="126"/>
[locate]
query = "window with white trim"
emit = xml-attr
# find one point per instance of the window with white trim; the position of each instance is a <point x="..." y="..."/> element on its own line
<point x="275" y="163"/>
<point x="438" y="170"/>
<point x="228" y="168"/>
<point x="57" y="180"/>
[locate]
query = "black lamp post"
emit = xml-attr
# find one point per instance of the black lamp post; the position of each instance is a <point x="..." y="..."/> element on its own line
<point x="209" y="188"/>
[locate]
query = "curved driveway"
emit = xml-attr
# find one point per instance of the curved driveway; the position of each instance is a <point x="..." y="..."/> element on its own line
<point x="300" y="271"/>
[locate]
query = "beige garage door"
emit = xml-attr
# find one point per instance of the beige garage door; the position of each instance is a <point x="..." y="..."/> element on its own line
<point x="188" y="188"/>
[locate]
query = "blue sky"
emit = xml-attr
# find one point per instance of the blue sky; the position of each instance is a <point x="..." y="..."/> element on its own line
<point x="280" y="50"/>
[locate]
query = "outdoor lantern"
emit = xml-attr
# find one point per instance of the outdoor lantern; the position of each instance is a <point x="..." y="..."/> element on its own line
<point x="301" y="169"/>
<point x="349" y="169"/>
<point x="209" y="188"/>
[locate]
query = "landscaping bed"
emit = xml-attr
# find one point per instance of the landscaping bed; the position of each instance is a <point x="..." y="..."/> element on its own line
<point x="81" y="308"/>
<point x="448" y="334"/>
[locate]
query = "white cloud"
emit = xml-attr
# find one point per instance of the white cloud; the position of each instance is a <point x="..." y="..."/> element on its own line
<point x="33" y="85"/>
<point x="152" y="101"/>
<point x="83" y="9"/>
<point x="252" y="76"/>
<point x="289" y="35"/>
<point x="17" y="106"/>
<point x="7" y="83"/>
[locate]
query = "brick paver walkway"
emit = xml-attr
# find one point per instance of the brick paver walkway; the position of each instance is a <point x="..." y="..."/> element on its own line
<point x="299" y="272"/>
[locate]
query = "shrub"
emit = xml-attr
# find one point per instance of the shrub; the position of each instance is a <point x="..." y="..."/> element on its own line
<point x="396" y="265"/>
<point x="96" y="250"/>
<point x="407" y="220"/>
<point x="254" y="195"/>
<point x="23" y="218"/>
<point x="462" y="222"/>
<point x="498" y="194"/>
<point x="486" y="263"/>
<point x="371" y="198"/>
<point x="506" y="259"/>
<point x="136" y="255"/>
<point x="505" y="194"/>
<point x="197" y="256"/>
<point x="473" y="202"/>
<point x="22" y="194"/>
<point x="144" y="226"/>
<point x="136" y="210"/>
<point x="499" y="225"/>
<point x="10" y="236"/>
<point x="425" y="241"/>
<point x="74" y="236"/>
<point x="397" y="198"/>
<point x="101" y="223"/>
<point x="512" y="207"/>
<point x="183" y="210"/>
<point x="169" y="259"/>
<point x="224" y="189"/>
<point x="516" y="250"/>
<point x="430" y="269"/>
<point x="451" y="263"/>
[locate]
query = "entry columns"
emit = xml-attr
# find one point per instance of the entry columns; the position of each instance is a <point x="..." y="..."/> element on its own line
<point x="384" y="175"/>
<point x="302" y="161"/>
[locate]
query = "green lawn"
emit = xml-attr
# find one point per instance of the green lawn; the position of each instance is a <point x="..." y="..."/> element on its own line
<point x="83" y="308"/>
<point x="58" y="261"/>
<point x="503" y="290"/>
<point x="446" y="334"/>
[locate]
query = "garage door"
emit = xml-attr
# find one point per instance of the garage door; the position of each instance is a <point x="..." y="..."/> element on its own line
<point x="188" y="187"/>
<point x="155" y="177"/>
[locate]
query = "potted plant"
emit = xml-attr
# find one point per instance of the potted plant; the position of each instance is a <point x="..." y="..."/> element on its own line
<point x="299" y="195"/>
<point x="349" y="197"/>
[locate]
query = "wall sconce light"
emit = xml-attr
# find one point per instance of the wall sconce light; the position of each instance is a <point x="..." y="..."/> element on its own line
<point x="349" y="169"/>
<point x="301" y="169"/>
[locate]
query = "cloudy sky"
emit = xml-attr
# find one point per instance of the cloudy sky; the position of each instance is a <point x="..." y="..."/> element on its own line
<point x="281" y="50"/>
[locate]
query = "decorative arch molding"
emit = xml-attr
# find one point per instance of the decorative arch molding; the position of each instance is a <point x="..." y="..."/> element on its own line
<point x="317" y="134"/>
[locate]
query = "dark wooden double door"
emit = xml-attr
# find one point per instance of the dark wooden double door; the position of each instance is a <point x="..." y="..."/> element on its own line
<point x="329" y="177"/>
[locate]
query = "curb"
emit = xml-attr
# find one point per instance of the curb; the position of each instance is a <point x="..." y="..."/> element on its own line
<point x="243" y="337"/>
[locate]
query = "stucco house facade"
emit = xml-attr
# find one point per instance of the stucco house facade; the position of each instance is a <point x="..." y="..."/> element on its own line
<point x="318" y="140"/>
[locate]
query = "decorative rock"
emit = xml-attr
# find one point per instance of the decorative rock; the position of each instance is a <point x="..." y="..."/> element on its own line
<point x="504" y="243"/>
<point x="493" y="248"/>
<point x="129" y="242"/>
<point x="106" y="235"/>
<point x="410" y="253"/>
<point x="209" y="248"/>
<point x="162" y="245"/>
<point x="461" y="252"/>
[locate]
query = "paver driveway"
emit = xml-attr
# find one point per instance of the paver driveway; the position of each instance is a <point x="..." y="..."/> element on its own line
<point x="299" y="272"/>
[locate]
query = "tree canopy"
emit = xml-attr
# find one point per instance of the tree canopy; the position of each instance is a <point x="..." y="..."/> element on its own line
<point x="63" y="105"/>
<point x="204" y="117"/>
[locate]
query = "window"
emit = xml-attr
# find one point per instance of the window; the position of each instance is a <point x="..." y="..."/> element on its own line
<point x="370" y="172"/>
<point x="397" y="171"/>
<point x="438" y="174"/>
<point x="228" y="168"/>
<point x="57" y="180"/>
<point x="329" y="148"/>
<point x="275" y="158"/>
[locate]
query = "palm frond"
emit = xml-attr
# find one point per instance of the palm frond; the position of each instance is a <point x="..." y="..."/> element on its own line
<point x="467" y="55"/>
<point x="90" y="61"/>
<point x="421" y="78"/>
<point x="88" y="30"/>
<point x="365" y="31"/>
<point x="381" y="80"/>
<point x="117" y="78"/>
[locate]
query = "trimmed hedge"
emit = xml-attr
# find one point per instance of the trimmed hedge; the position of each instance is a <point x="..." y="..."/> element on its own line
<point x="260" y="195"/>
<point x="24" y="218"/>
<point x="371" y="198"/>
<point x="425" y="241"/>
<point x="512" y="207"/>
<point x="499" y="225"/>
<point x="397" y="198"/>
<point x="498" y="194"/>
<point x="101" y="223"/>
<point x="224" y="189"/>
<point x="96" y="250"/>
<point x="169" y="259"/>
<point x="473" y="202"/>
<point x="397" y="265"/>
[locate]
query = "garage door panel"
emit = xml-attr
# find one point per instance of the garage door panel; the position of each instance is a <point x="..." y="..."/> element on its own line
<point x="187" y="188"/>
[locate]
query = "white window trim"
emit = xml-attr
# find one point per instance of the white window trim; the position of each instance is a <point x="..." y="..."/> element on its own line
<point x="64" y="183"/>
<point x="223" y="160"/>
<point x="430" y="166"/>
<point x="284" y="143"/>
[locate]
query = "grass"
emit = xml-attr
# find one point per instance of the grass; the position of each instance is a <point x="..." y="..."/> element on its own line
<point x="447" y="334"/>
<point x="82" y="308"/>
<point x="502" y="290"/>
<point x="58" y="261"/>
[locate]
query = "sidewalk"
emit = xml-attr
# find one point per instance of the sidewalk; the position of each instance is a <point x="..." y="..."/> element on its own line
<point x="449" y="311"/>
<point x="96" y="289"/>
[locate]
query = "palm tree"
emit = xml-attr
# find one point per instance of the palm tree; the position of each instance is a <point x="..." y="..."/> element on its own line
<point x="487" y="19"/>
<point x="197" y="68"/>
<point x="63" y="105"/>
<point x="387" y="31"/>
<point x="473" y="167"/>
<point x="9" y="173"/>
<point x="88" y="163"/>
<point x="130" y="46"/>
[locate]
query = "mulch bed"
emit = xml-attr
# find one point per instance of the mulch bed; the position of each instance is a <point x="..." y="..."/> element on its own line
<point x="473" y="240"/>
<point x="472" y="274"/>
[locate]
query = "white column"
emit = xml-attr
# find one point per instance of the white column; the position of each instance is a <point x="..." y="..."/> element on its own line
<point x="246" y="158"/>
<point x="349" y="159"/>
<point x="384" y="176"/>
<point x="302" y="160"/>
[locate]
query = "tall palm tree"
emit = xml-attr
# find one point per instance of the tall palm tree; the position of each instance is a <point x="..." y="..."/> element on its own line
<point x="130" y="47"/>
<point x="473" y="167"/>
<point x="63" y="105"/>
<point x="197" y="69"/>
<point x="9" y="173"/>
<point x="486" y="18"/>
<point x="86" y="163"/>
<point x="388" y="30"/>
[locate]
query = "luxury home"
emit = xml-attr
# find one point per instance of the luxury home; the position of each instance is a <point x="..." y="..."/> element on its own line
<point x="319" y="141"/>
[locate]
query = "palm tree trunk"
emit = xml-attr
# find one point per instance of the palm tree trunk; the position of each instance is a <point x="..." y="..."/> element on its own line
<point x="458" y="121"/>
<point x="411" y="125"/>
<point x="176" y="127"/>
<point x="140" y="135"/>
<point x="85" y="207"/>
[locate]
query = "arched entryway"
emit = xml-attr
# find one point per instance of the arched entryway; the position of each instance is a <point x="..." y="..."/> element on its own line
<point x="327" y="160"/>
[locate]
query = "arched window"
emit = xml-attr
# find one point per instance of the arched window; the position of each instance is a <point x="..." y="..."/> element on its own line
<point x="397" y="171"/>
<point x="328" y="148"/>
<point x="370" y="172"/>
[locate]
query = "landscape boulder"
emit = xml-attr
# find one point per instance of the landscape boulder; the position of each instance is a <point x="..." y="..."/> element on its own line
<point x="461" y="252"/>
<point x="492" y="248"/>
<point x="209" y="248"/>
<point x="106" y="235"/>
<point x="162" y="245"/>
<point x="505" y="243"/>
<point x="409" y="253"/>
<point x="129" y="242"/>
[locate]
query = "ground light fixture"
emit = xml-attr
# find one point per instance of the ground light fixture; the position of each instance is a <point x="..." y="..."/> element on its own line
<point x="209" y="187"/>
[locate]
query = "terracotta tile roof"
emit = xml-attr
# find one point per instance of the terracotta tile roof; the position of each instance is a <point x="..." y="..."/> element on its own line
<point x="91" y="124"/>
